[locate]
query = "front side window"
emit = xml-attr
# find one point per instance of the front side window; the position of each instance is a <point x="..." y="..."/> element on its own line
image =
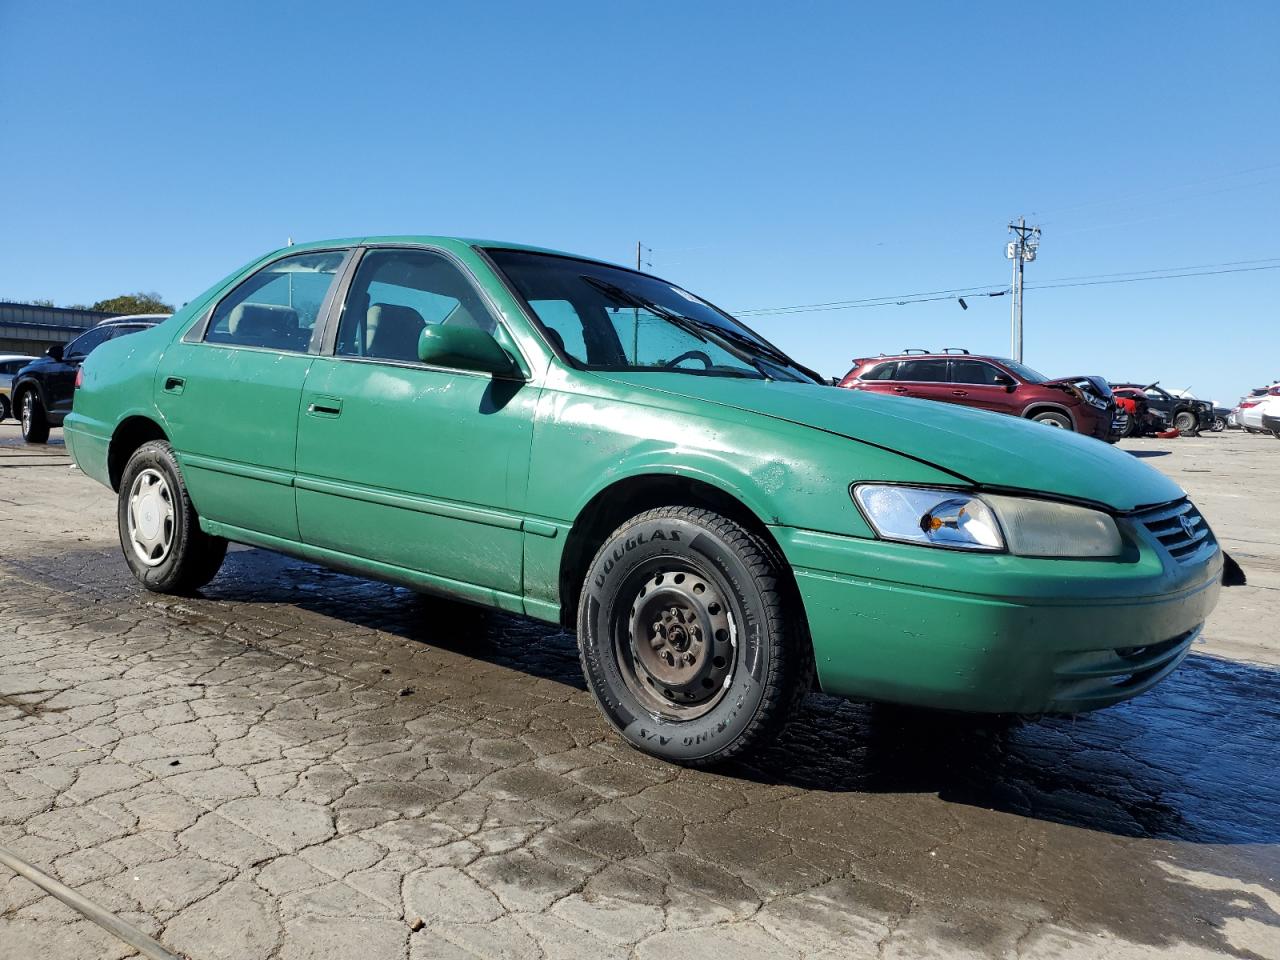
<point x="975" y="372"/>
<point x="933" y="370"/>
<point x="278" y="307"/>
<point x="607" y="318"/>
<point x="396" y="294"/>
<point x="86" y="343"/>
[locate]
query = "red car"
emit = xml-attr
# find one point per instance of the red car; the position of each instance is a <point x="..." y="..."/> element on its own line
<point x="1083" y="404"/>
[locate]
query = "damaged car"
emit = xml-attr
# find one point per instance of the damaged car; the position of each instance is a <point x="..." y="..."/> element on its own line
<point x="1081" y="403"/>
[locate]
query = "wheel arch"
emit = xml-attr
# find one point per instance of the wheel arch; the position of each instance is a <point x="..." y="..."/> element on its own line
<point x="630" y="496"/>
<point x="1046" y="406"/>
<point x="131" y="433"/>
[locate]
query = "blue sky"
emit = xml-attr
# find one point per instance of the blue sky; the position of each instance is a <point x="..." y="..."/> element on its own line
<point x="769" y="154"/>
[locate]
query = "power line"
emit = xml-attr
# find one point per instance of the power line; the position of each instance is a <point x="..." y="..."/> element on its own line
<point x="996" y="290"/>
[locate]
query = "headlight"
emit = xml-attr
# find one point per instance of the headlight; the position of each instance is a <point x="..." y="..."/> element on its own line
<point x="991" y="523"/>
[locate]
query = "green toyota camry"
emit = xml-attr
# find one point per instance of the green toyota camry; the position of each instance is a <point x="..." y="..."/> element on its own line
<point x="592" y="446"/>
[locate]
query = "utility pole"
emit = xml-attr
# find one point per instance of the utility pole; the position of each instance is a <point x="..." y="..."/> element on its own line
<point x="1021" y="251"/>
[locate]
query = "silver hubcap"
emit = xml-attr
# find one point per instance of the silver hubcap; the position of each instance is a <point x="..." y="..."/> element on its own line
<point x="150" y="517"/>
<point x="1052" y="423"/>
<point x="26" y="414"/>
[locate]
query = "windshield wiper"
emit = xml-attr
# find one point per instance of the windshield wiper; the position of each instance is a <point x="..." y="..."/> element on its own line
<point x="689" y="325"/>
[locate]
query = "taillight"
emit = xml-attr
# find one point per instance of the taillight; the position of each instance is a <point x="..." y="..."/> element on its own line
<point x="79" y="377"/>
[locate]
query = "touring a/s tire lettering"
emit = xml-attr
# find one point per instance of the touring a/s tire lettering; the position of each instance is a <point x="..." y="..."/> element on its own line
<point x="688" y="637"/>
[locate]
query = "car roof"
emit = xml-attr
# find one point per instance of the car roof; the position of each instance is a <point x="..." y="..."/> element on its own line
<point x="6" y="357"/>
<point x="436" y="240"/>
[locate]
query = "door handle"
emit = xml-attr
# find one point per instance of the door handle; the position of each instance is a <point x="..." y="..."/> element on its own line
<point x="899" y="389"/>
<point x="959" y="393"/>
<point x="324" y="406"/>
<point x="174" y="384"/>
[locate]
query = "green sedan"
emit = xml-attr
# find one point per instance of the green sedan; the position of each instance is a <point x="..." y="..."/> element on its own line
<point x="595" y="447"/>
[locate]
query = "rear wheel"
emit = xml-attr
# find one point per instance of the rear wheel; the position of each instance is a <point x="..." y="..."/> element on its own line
<point x="1051" y="418"/>
<point x="1219" y="424"/>
<point x="35" y="425"/>
<point x="159" y="530"/>
<point x="1186" y="423"/>
<point x="691" y="639"/>
<point x="4" y="408"/>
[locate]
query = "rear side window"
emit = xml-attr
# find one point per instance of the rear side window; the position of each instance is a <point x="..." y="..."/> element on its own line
<point x="933" y="370"/>
<point x="882" y="371"/>
<point x="973" y="371"/>
<point x="277" y="308"/>
<point x="84" y="344"/>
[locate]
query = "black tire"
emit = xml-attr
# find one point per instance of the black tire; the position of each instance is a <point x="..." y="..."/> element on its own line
<point x="748" y="674"/>
<point x="1051" y="418"/>
<point x="1187" y="423"/>
<point x="4" y="408"/>
<point x="187" y="557"/>
<point x="35" y="425"/>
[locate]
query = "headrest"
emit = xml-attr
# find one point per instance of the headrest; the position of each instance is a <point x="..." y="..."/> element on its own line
<point x="392" y="331"/>
<point x="261" y="321"/>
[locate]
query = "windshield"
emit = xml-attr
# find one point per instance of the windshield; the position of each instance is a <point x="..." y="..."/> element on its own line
<point x="607" y="318"/>
<point x="1024" y="372"/>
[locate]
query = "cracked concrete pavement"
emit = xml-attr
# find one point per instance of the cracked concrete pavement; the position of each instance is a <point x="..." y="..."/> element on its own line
<point x="302" y="764"/>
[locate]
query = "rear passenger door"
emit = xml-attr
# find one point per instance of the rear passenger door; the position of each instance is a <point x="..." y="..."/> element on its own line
<point x="925" y="377"/>
<point x="230" y="390"/>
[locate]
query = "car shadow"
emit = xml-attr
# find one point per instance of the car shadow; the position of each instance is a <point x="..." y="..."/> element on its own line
<point x="1193" y="760"/>
<point x="1144" y="454"/>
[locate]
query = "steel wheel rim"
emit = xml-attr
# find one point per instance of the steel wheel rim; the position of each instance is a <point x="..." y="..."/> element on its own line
<point x="676" y="640"/>
<point x="150" y="517"/>
<point x="27" y="404"/>
<point x="1050" y="422"/>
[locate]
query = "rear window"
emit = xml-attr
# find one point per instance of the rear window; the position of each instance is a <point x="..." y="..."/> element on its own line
<point x="931" y="370"/>
<point x="881" y="371"/>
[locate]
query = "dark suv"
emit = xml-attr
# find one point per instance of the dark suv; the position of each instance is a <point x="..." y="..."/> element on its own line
<point x="1188" y="415"/>
<point x="1083" y="404"/>
<point x="43" y="389"/>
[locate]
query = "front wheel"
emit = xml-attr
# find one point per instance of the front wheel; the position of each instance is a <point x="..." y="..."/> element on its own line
<point x="1186" y="423"/>
<point x="159" y="530"/>
<point x="691" y="638"/>
<point x="1051" y="419"/>
<point x="35" y="425"/>
<point x="1219" y="424"/>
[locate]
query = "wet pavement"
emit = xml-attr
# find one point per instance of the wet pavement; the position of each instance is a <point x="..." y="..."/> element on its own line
<point x="303" y="764"/>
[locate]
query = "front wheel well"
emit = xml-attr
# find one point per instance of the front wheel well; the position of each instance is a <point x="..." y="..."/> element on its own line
<point x="1032" y="411"/>
<point x="616" y="504"/>
<point x="132" y="433"/>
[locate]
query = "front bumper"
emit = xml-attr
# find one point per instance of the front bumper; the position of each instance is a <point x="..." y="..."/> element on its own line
<point x="996" y="633"/>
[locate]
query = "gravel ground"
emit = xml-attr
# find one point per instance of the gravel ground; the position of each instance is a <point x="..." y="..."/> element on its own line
<point x="303" y="764"/>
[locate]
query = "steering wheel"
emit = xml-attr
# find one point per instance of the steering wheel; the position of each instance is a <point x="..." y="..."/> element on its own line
<point x="691" y="355"/>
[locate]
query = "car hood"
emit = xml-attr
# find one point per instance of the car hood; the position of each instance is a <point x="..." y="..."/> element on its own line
<point x="986" y="449"/>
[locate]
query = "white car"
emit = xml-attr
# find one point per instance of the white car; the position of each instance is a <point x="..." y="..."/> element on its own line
<point x="10" y="363"/>
<point x="1261" y="414"/>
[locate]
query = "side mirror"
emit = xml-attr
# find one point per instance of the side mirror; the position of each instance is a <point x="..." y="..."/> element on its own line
<point x="1005" y="381"/>
<point x="55" y="351"/>
<point x="467" y="349"/>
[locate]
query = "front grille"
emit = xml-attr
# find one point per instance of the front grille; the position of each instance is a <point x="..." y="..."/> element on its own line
<point x="1180" y="529"/>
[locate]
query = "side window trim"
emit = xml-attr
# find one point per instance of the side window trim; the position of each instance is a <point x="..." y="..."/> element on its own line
<point x="334" y="318"/>
<point x="200" y="329"/>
